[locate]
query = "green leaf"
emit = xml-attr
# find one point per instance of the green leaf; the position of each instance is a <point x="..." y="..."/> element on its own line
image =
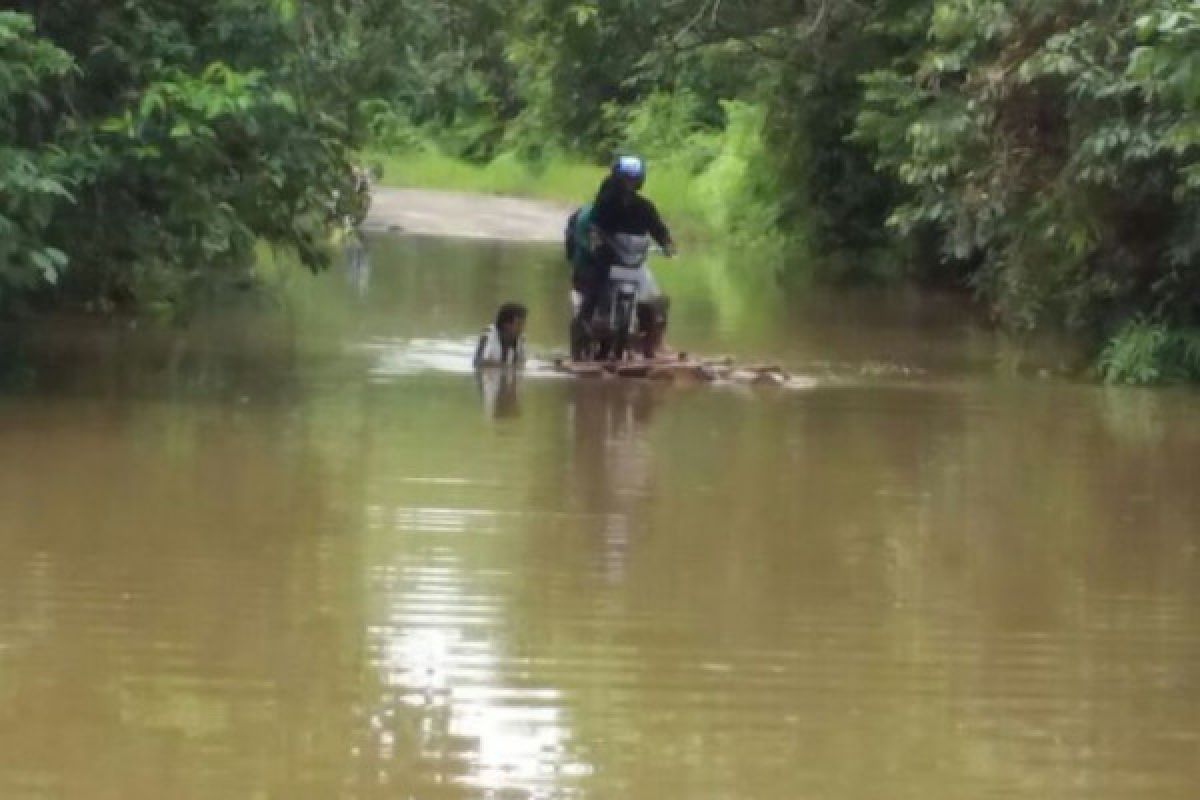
<point x="284" y="100"/>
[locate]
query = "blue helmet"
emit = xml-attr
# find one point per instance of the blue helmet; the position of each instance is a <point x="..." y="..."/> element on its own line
<point x="631" y="167"/>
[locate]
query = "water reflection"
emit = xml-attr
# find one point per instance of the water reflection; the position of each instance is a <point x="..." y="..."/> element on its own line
<point x="611" y="462"/>
<point x="498" y="389"/>
<point x="357" y="260"/>
<point x="456" y="712"/>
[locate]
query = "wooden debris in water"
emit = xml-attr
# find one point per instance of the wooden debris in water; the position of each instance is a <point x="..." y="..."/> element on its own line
<point x="680" y="370"/>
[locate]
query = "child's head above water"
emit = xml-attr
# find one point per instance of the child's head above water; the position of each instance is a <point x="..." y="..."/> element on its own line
<point x="503" y="344"/>
<point x="510" y="320"/>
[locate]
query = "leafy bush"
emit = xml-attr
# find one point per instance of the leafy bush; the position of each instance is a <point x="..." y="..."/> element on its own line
<point x="146" y="146"/>
<point x="31" y="174"/>
<point x="1043" y="140"/>
<point x="1143" y="353"/>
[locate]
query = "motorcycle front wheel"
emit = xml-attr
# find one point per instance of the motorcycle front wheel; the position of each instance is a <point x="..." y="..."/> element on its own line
<point x="622" y="322"/>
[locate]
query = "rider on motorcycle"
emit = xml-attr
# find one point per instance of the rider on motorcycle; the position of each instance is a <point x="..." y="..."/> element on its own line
<point x="619" y="209"/>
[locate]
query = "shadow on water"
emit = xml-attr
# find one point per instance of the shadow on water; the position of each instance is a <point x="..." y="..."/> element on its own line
<point x="307" y="552"/>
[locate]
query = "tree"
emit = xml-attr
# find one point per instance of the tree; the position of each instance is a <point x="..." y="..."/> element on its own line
<point x="178" y="135"/>
<point x="31" y="180"/>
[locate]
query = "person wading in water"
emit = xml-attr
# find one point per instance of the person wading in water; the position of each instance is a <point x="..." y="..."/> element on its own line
<point x="503" y="343"/>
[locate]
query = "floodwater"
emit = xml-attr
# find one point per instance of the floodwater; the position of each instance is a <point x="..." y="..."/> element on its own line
<point x="299" y="551"/>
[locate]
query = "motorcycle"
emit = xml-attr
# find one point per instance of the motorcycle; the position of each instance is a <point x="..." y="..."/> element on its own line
<point x="631" y="314"/>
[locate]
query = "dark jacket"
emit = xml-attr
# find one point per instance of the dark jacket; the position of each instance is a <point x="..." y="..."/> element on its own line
<point x="620" y="210"/>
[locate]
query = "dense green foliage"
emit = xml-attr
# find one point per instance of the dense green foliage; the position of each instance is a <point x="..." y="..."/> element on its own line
<point x="30" y="176"/>
<point x="145" y="147"/>
<point x="1052" y="145"/>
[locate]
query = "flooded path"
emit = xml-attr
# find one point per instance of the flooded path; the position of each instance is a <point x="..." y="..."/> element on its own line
<point x="471" y="216"/>
<point x="301" y="551"/>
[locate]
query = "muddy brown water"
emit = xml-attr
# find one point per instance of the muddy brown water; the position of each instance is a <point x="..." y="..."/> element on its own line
<point x="298" y="551"/>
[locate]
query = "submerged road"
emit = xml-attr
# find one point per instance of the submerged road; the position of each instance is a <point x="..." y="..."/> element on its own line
<point x="473" y="216"/>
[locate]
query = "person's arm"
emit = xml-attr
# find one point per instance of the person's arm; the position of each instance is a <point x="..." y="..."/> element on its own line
<point x="479" y="350"/>
<point x="657" y="228"/>
<point x="569" y="236"/>
<point x="606" y="211"/>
